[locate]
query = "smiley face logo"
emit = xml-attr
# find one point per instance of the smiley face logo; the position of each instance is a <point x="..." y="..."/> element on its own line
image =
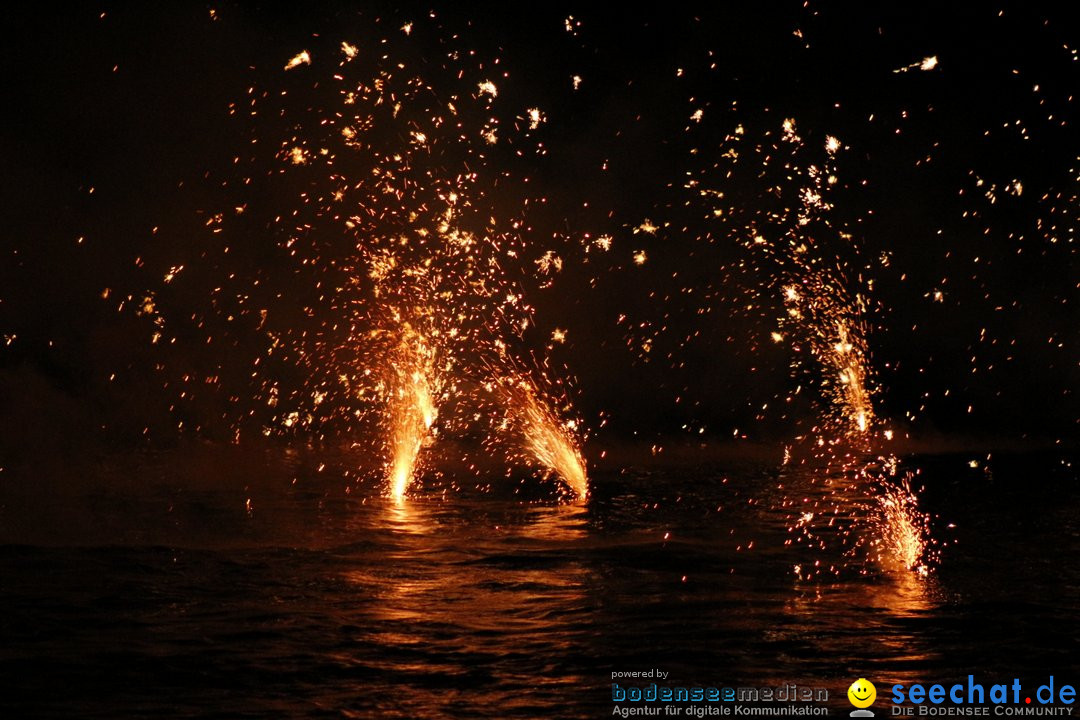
<point x="862" y="693"/>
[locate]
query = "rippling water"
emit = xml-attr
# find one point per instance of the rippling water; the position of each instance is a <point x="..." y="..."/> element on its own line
<point x="156" y="588"/>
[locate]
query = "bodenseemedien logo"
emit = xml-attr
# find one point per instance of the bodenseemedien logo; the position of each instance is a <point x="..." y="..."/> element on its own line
<point x="862" y="694"/>
<point x="700" y="701"/>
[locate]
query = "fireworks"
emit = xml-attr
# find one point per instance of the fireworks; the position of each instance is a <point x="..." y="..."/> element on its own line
<point x="550" y="441"/>
<point x="812" y="271"/>
<point x="903" y="529"/>
<point x="425" y="258"/>
<point x="821" y="319"/>
<point x="414" y="269"/>
<point x="411" y="265"/>
<point x="412" y="387"/>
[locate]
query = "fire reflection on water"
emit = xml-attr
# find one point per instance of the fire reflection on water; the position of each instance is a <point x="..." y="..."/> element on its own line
<point x="434" y="596"/>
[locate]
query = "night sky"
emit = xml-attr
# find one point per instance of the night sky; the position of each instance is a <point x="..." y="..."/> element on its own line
<point x="120" y="146"/>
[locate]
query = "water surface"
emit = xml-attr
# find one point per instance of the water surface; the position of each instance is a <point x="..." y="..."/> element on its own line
<point x="181" y="587"/>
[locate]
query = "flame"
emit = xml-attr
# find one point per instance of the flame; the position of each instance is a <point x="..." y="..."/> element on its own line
<point x="412" y="410"/>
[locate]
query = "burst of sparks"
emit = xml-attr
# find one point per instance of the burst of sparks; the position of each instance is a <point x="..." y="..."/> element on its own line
<point x="413" y="384"/>
<point x="548" y="439"/>
<point x="535" y="118"/>
<point x="903" y="528"/>
<point x="423" y="308"/>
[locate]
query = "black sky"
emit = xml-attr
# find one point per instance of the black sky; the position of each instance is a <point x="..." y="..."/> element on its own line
<point x="134" y="106"/>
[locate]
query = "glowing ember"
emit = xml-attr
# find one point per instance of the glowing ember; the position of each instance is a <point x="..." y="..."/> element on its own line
<point x="926" y="64"/>
<point x="301" y="58"/>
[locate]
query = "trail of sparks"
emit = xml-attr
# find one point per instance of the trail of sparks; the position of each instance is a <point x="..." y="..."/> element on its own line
<point x="812" y="267"/>
<point x="903" y="528"/>
<point x="551" y="441"/>
<point x="413" y="386"/>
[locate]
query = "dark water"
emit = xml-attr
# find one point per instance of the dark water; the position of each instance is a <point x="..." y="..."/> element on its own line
<point x="153" y="589"/>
